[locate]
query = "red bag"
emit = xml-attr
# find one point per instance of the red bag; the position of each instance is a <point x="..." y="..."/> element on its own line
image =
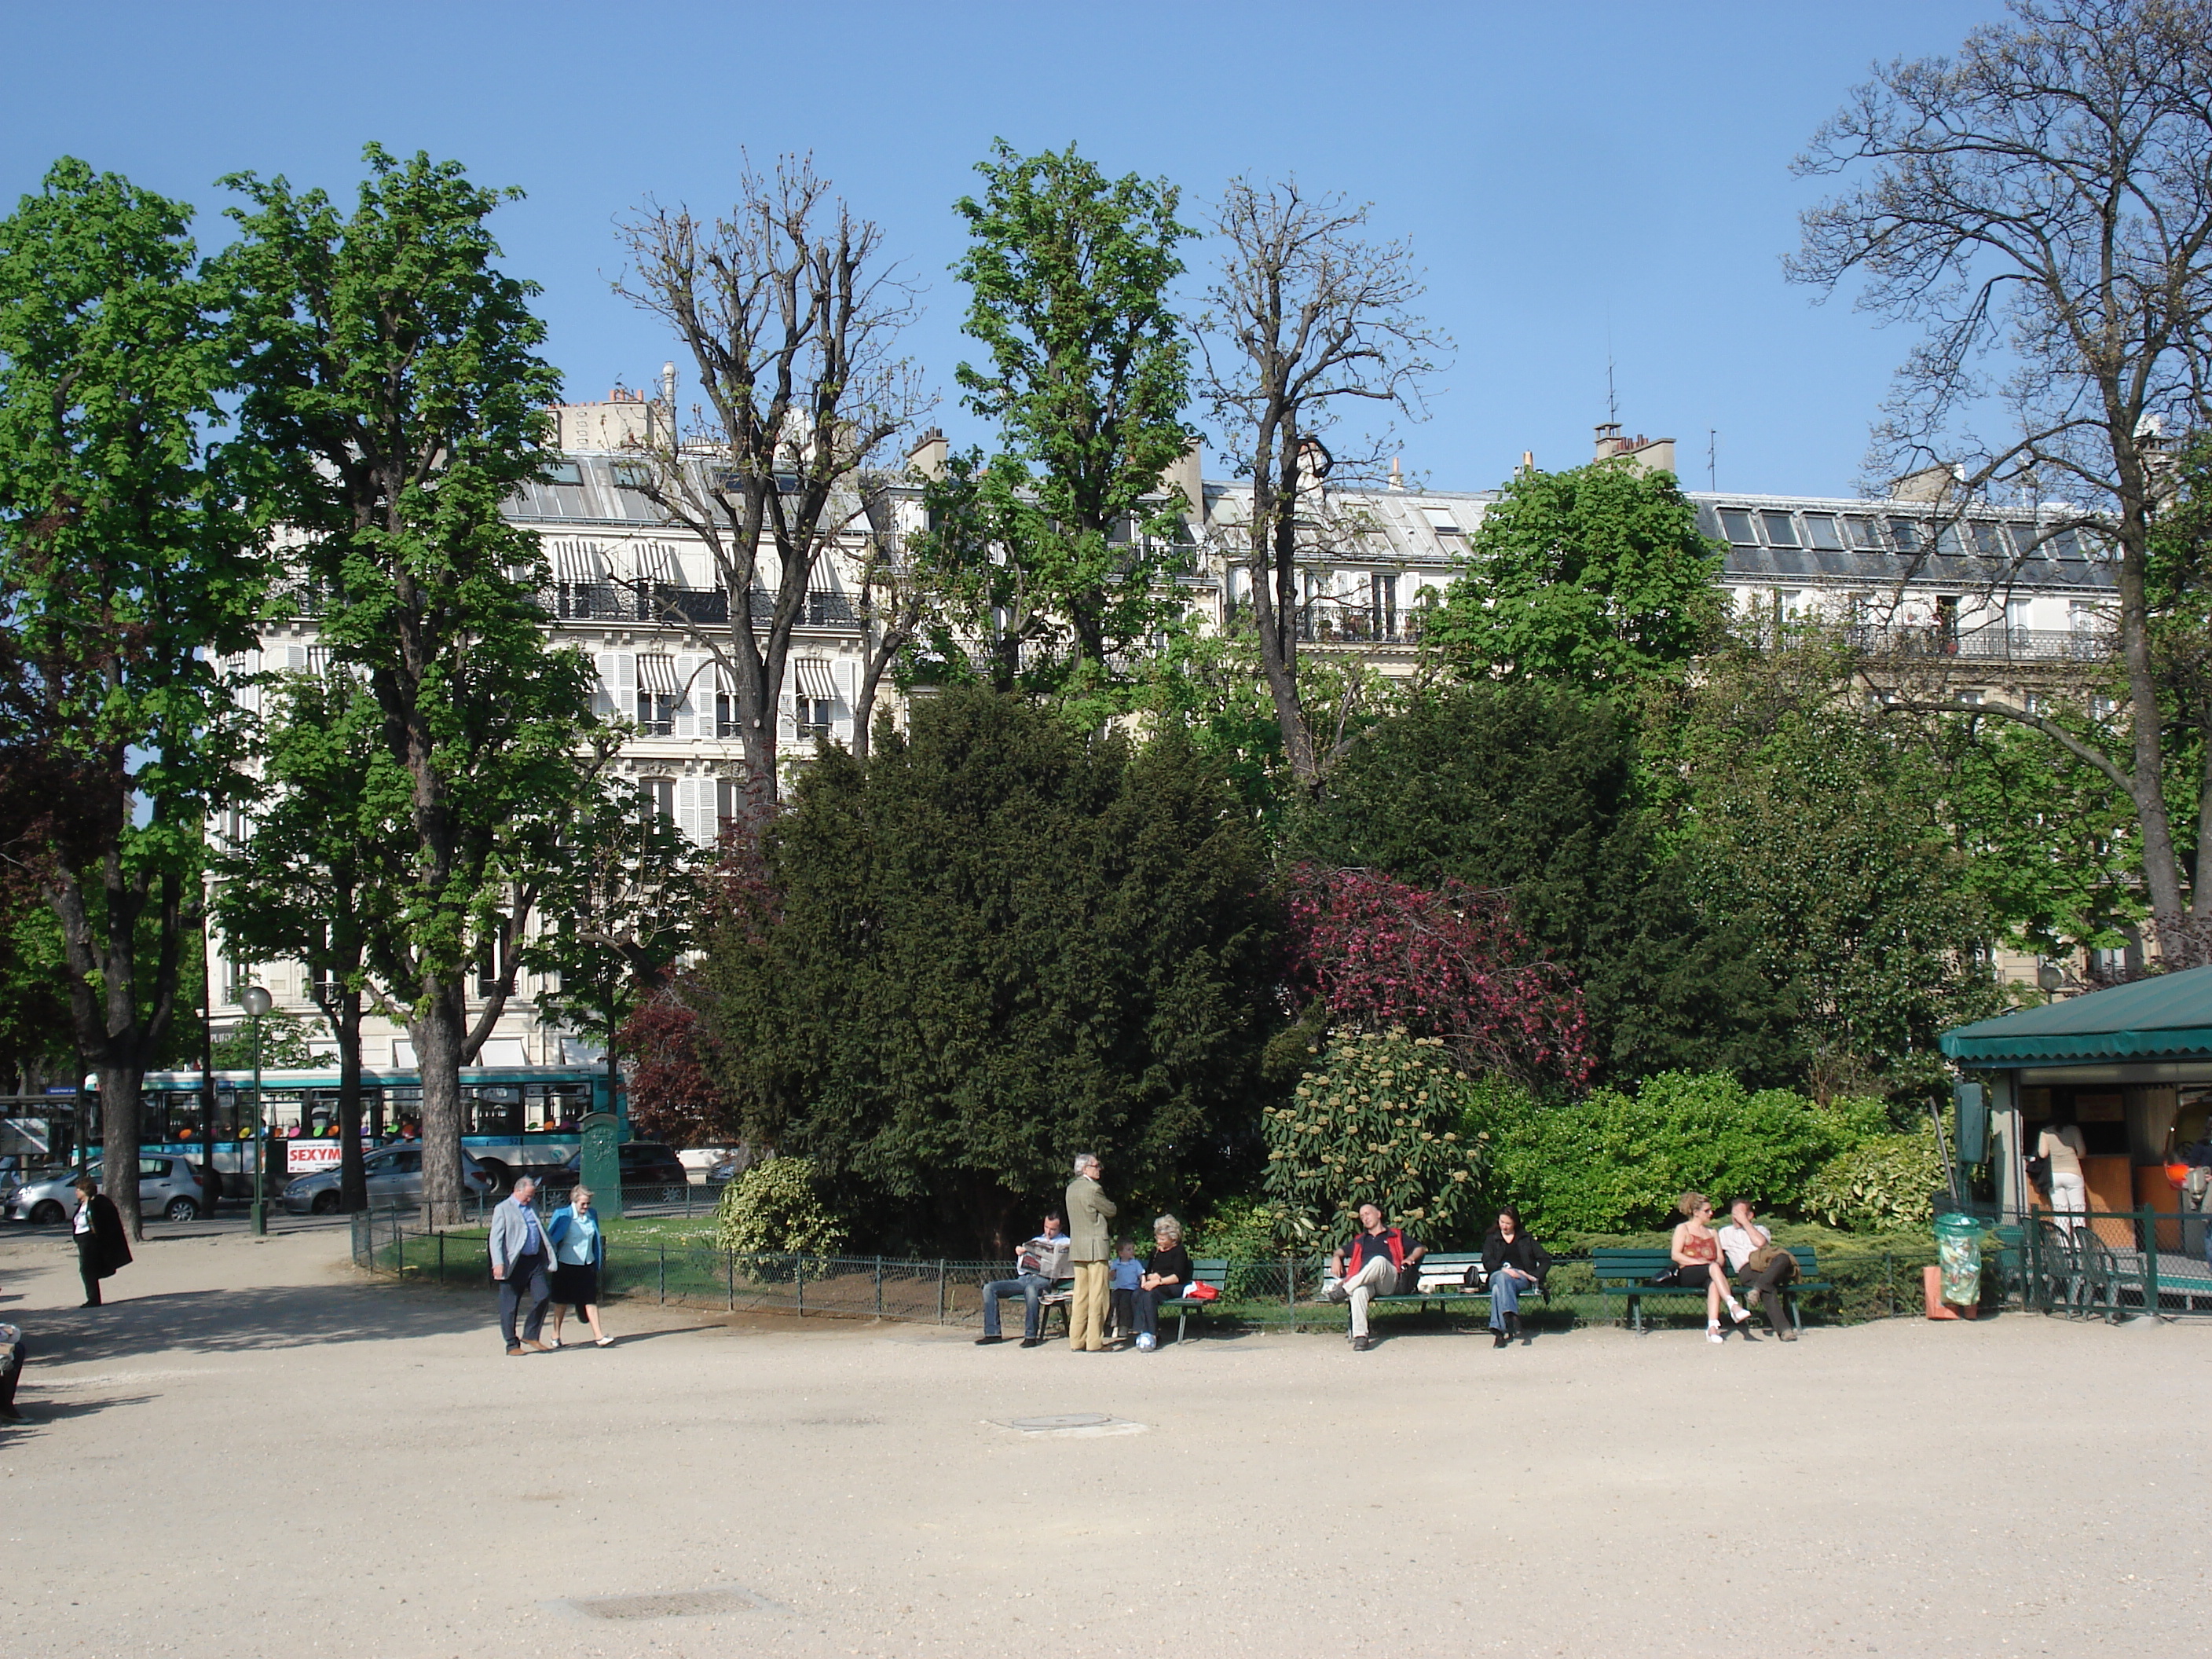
<point x="1202" y="1292"/>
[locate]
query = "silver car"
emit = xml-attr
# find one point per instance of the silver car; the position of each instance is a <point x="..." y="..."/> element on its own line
<point x="394" y="1175"/>
<point x="168" y="1185"/>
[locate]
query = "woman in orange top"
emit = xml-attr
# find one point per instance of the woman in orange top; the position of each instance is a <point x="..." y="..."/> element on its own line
<point x="1697" y="1252"/>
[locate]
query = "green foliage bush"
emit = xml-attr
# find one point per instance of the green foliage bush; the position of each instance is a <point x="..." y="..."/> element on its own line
<point x="1884" y="1183"/>
<point x="1378" y="1120"/>
<point x="776" y="1207"/>
<point x="1616" y="1161"/>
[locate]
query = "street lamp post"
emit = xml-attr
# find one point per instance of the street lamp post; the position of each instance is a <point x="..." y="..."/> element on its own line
<point x="256" y="1002"/>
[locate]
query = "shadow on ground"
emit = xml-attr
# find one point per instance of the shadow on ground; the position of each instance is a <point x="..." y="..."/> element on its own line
<point x="246" y="1320"/>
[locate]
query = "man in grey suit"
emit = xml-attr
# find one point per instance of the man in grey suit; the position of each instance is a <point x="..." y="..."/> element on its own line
<point x="519" y="1255"/>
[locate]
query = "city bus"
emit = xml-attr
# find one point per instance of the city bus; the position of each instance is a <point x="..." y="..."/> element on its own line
<point x="513" y="1118"/>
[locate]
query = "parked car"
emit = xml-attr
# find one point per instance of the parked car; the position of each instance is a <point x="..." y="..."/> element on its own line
<point x="168" y="1185"/>
<point x="393" y="1174"/>
<point x="645" y="1164"/>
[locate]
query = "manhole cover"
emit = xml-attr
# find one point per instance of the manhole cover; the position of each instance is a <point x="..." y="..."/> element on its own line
<point x="670" y="1604"/>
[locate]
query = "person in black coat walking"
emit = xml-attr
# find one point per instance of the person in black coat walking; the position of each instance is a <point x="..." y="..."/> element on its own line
<point x="102" y="1246"/>
<point x="1515" y="1264"/>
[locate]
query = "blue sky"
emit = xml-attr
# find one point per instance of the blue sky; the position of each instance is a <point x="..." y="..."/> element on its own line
<point x="1565" y="171"/>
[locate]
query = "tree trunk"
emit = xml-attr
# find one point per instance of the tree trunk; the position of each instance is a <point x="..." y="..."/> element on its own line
<point x="438" y="1032"/>
<point x="119" y="1091"/>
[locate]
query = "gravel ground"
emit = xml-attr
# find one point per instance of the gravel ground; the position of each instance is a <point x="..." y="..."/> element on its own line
<point x="250" y="1451"/>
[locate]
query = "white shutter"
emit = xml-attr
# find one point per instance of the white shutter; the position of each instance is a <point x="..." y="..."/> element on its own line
<point x="694" y="813"/>
<point x="697" y="691"/>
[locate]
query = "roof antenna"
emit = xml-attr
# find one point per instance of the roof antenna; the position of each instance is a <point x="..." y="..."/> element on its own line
<point x="1611" y="403"/>
<point x="1712" y="449"/>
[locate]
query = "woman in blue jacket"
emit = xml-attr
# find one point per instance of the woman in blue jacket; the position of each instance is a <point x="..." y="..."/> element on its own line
<point x="579" y="1252"/>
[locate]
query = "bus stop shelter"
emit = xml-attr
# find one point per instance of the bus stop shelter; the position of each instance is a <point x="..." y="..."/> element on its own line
<point x="2132" y="1066"/>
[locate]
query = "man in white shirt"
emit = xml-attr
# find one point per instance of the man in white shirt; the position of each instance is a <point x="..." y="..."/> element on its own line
<point x="1741" y="1239"/>
<point x="1038" y="1265"/>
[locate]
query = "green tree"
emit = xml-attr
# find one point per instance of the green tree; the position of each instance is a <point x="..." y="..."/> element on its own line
<point x="125" y="572"/>
<point x="316" y="880"/>
<point x="1827" y="840"/>
<point x="395" y="399"/>
<point x="1089" y="372"/>
<point x="1594" y="578"/>
<point x="286" y="1041"/>
<point x="1537" y="790"/>
<point x="995" y="943"/>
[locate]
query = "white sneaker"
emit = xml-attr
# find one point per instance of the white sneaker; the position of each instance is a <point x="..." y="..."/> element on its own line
<point x="1148" y="1342"/>
<point x="1712" y="1334"/>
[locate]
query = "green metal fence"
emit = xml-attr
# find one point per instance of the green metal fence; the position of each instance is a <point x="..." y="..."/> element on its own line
<point x="690" y="1270"/>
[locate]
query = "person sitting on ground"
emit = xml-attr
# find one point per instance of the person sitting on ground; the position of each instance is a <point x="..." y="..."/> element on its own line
<point x="1124" y="1275"/>
<point x="1038" y="1265"/>
<point x="1166" y="1277"/>
<point x="1697" y="1253"/>
<point x="1515" y="1265"/>
<point x="1378" y="1260"/>
<point x="1754" y="1260"/>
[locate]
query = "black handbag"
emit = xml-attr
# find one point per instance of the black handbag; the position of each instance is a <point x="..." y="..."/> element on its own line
<point x="2039" y="1175"/>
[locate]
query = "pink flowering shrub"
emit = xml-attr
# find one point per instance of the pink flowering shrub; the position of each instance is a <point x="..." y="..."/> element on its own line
<point x="1454" y="964"/>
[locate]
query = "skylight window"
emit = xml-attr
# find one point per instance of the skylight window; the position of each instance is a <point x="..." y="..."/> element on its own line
<point x="1906" y="532"/>
<point x="1781" y="529"/>
<point x="1820" y="532"/>
<point x="563" y="472"/>
<point x="1989" y="538"/>
<point x="1736" y="523"/>
<point x="1862" y="532"/>
<point x="1443" y="520"/>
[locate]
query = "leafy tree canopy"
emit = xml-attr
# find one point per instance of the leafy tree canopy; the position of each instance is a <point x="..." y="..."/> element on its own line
<point x="1596" y="577"/>
<point x="992" y="944"/>
<point x="1534" y="791"/>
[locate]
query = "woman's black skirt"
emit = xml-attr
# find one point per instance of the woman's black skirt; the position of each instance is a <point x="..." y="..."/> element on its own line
<point x="575" y="1284"/>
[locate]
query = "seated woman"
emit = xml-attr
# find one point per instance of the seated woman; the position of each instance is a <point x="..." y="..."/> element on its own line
<point x="1697" y="1252"/>
<point x="1166" y="1277"/>
<point x="1515" y="1265"/>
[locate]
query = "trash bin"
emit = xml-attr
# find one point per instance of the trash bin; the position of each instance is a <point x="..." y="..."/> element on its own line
<point x="1959" y="1251"/>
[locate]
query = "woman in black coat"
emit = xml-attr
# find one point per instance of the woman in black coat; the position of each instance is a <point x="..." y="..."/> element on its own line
<point x="1515" y="1265"/>
<point x="102" y="1246"/>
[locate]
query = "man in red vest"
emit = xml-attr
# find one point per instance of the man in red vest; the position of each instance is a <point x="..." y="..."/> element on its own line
<point x="1378" y="1261"/>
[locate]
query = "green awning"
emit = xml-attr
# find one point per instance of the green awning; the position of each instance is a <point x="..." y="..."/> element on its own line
<point x="2168" y="1016"/>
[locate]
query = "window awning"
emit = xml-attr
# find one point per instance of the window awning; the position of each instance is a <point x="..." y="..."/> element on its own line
<point x="580" y="563"/>
<point x="2166" y="1015"/>
<point x="815" y="677"/>
<point x="657" y="673"/>
<point x="655" y="562"/>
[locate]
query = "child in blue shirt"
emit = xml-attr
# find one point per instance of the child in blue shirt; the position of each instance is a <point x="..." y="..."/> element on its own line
<point x="1123" y="1275"/>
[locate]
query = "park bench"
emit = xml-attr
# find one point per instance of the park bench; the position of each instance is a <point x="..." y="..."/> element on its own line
<point x="1207" y="1270"/>
<point x="1629" y="1272"/>
<point x="1440" y="1278"/>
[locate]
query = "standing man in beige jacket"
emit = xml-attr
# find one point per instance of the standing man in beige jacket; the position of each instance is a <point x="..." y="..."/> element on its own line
<point x="1089" y="1210"/>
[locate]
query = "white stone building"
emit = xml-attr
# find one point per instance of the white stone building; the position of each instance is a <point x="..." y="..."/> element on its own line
<point x="1987" y="594"/>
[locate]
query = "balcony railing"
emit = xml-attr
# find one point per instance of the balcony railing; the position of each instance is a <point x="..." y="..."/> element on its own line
<point x="1990" y="644"/>
<point x="675" y="606"/>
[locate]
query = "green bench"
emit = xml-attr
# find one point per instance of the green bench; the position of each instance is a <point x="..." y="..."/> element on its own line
<point x="1444" y="1272"/>
<point x="1206" y="1270"/>
<point x="1629" y="1272"/>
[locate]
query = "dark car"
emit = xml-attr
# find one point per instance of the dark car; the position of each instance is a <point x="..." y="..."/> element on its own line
<point x="646" y="1165"/>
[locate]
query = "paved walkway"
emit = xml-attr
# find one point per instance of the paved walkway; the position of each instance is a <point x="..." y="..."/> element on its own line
<point x="251" y="1453"/>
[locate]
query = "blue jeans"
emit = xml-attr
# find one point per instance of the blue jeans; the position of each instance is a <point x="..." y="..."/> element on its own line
<point x="1148" y="1307"/>
<point x="1031" y="1287"/>
<point x="1505" y="1293"/>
